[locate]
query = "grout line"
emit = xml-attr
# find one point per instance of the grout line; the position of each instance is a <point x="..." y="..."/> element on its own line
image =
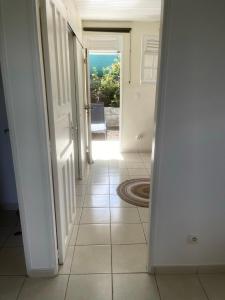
<point x="78" y="224"/>
<point x="142" y="226"/>
<point x="112" y="288"/>
<point x="202" y="286"/>
<point x="67" y="287"/>
<point x="21" y="288"/>
<point x="157" y="286"/>
<point x="74" y="249"/>
<point x="106" y="273"/>
<point x="12" y="275"/>
<point x="113" y="223"/>
<point x="122" y="244"/>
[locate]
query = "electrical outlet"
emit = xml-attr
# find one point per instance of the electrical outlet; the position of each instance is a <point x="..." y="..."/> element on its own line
<point x="193" y="239"/>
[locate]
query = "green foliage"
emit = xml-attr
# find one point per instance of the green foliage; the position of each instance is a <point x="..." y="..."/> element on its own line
<point x="106" y="88"/>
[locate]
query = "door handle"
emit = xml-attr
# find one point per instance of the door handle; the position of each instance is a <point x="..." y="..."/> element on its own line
<point x="88" y="107"/>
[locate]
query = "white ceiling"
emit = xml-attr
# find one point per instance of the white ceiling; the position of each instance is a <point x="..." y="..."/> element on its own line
<point x="119" y="10"/>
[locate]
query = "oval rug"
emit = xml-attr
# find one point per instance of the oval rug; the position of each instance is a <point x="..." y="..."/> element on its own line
<point x="135" y="191"/>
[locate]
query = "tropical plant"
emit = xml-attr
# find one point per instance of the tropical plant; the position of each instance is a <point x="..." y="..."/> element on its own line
<point x="106" y="88"/>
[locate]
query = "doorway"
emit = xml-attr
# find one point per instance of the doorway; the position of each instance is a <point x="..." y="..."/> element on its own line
<point x="105" y="97"/>
<point x="12" y="260"/>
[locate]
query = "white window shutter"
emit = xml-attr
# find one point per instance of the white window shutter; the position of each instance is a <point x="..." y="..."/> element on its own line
<point x="150" y="52"/>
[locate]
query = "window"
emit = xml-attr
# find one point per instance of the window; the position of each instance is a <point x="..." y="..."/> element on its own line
<point x="150" y="51"/>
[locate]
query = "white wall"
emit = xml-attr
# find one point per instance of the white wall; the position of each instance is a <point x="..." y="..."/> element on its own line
<point x="137" y="99"/>
<point x="74" y="17"/>
<point x="189" y="161"/>
<point x="8" y="194"/>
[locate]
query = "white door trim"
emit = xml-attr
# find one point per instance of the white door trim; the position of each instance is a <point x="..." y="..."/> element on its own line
<point x="157" y="135"/>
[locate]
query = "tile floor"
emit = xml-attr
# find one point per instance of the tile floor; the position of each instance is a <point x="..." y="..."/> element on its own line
<point x="107" y="255"/>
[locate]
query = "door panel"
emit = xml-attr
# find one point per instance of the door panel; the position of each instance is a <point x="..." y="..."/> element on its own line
<point x="57" y="73"/>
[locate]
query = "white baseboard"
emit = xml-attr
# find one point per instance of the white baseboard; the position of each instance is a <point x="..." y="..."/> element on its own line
<point x="42" y="273"/>
<point x="206" y="269"/>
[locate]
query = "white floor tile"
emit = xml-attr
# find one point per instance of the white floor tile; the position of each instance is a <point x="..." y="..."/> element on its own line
<point x="91" y="259"/>
<point x="8" y="219"/>
<point x="98" y="189"/>
<point x="73" y="237"/>
<point x="82" y="181"/>
<point x="149" y="171"/>
<point x="118" y="172"/>
<point x="129" y="258"/>
<point x="44" y="289"/>
<point x="116" y="201"/>
<point x="135" y="165"/>
<point x="95" y="216"/>
<point x="113" y="189"/>
<point x="124" y="215"/>
<point x="177" y="287"/>
<point x="119" y="164"/>
<point x="96" y="201"/>
<point x="81" y="189"/>
<point x="131" y="157"/>
<point x="127" y="234"/>
<point x="12" y="261"/>
<point x="4" y="235"/>
<point x="146" y="230"/>
<point x="79" y="201"/>
<point x="138" y="172"/>
<point x="78" y="215"/>
<point x="66" y="267"/>
<point x="89" y="287"/>
<point x="10" y="287"/>
<point x="117" y="179"/>
<point x="98" y="171"/>
<point x="144" y="214"/>
<point x="97" y="167"/>
<point x="135" y="287"/>
<point x="93" y="234"/>
<point x="94" y="179"/>
<point x="214" y="285"/>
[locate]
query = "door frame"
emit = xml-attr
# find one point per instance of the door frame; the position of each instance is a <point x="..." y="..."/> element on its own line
<point x="120" y="52"/>
<point x="122" y="45"/>
<point x="75" y="102"/>
<point x="87" y="108"/>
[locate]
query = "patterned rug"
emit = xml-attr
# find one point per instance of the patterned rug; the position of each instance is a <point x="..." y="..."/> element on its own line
<point x="135" y="191"/>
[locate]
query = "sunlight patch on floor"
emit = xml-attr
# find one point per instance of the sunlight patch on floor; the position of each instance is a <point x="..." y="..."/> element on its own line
<point x="106" y="150"/>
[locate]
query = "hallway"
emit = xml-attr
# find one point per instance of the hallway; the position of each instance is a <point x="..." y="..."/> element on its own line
<point x="110" y="235"/>
<point x="107" y="253"/>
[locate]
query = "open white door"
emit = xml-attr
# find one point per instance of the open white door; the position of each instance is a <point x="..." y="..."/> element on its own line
<point x="75" y="103"/>
<point x="88" y="107"/>
<point x="57" y="74"/>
